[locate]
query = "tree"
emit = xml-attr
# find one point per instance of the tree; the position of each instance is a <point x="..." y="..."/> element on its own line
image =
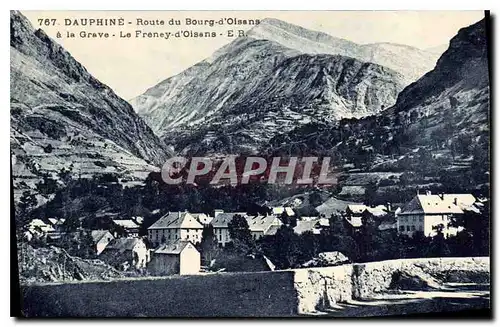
<point x="240" y="234"/>
<point x="26" y="203"/>
<point x="371" y="193"/>
<point x="315" y="198"/>
<point x="208" y="245"/>
<point x="287" y="245"/>
<point x="338" y="238"/>
<point x="285" y="219"/>
<point x="477" y="224"/>
<point x="309" y="245"/>
<point x="47" y="186"/>
<point x="86" y="248"/>
<point x="419" y="244"/>
<point x="438" y="246"/>
<point x="65" y="175"/>
<point x="366" y="238"/>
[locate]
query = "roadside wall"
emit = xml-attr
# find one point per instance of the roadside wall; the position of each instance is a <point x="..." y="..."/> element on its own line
<point x="257" y="294"/>
<point x="319" y="288"/>
<point x="373" y="277"/>
<point x="265" y="294"/>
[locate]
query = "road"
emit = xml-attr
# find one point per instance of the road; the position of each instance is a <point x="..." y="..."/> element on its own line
<point x="453" y="298"/>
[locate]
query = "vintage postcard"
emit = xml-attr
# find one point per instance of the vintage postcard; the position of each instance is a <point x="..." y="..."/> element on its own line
<point x="250" y="163"/>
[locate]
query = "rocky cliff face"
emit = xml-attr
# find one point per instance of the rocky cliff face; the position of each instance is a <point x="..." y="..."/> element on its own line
<point x="462" y="67"/>
<point x="390" y="55"/>
<point x="61" y="116"/>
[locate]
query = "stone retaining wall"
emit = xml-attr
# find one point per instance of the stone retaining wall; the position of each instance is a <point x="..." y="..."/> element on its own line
<point x="321" y="287"/>
<point x="264" y="294"/>
<point x="374" y="277"/>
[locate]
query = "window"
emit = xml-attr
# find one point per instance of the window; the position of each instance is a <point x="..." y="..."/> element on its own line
<point x="401" y="228"/>
<point x="408" y="228"/>
<point x="413" y="228"/>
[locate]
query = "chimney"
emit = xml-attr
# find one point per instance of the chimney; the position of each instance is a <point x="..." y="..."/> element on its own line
<point x="441" y="195"/>
<point x="217" y="211"/>
<point x="455" y="201"/>
<point x="389" y="206"/>
<point x="428" y="192"/>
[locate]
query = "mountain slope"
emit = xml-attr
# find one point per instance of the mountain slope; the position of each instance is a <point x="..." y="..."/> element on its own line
<point x="247" y="89"/>
<point x="437" y="133"/>
<point x="202" y="90"/>
<point x="299" y="90"/>
<point x="61" y="116"/>
<point x="250" y="74"/>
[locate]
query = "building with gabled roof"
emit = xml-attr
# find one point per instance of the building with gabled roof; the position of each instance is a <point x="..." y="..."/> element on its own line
<point x="426" y="211"/>
<point x="355" y="213"/>
<point x="309" y="225"/>
<point x="263" y="225"/>
<point x="101" y="239"/>
<point x="175" y="226"/>
<point x="179" y="257"/>
<point x="124" y="253"/>
<point x="128" y="225"/>
<point x="37" y="227"/>
<point x="280" y="210"/>
<point x="220" y="224"/>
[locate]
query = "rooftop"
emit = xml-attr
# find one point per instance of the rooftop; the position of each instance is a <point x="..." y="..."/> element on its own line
<point x="126" y="223"/>
<point x="176" y="220"/>
<point x="223" y="218"/>
<point x="279" y="210"/>
<point x="308" y="226"/>
<point x="356" y="208"/>
<point x="97" y="235"/>
<point x="122" y="244"/>
<point x="202" y="218"/>
<point x="262" y="223"/>
<point x="173" y="248"/>
<point x="438" y="204"/>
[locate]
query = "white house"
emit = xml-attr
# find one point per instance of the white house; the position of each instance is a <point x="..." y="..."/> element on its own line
<point x="38" y="227"/>
<point x="175" y="226"/>
<point x="310" y="225"/>
<point x="426" y="211"/>
<point x="180" y="257"/>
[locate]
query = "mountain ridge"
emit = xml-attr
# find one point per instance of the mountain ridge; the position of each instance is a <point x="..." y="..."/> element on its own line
<point x="62" y="116"/>
<point x="167" y="107"/>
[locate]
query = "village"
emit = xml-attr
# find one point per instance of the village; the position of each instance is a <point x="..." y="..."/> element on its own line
<point x="174" y="243"/>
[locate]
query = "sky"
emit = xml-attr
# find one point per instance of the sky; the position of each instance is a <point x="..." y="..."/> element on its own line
<point x="132" y="65"/>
